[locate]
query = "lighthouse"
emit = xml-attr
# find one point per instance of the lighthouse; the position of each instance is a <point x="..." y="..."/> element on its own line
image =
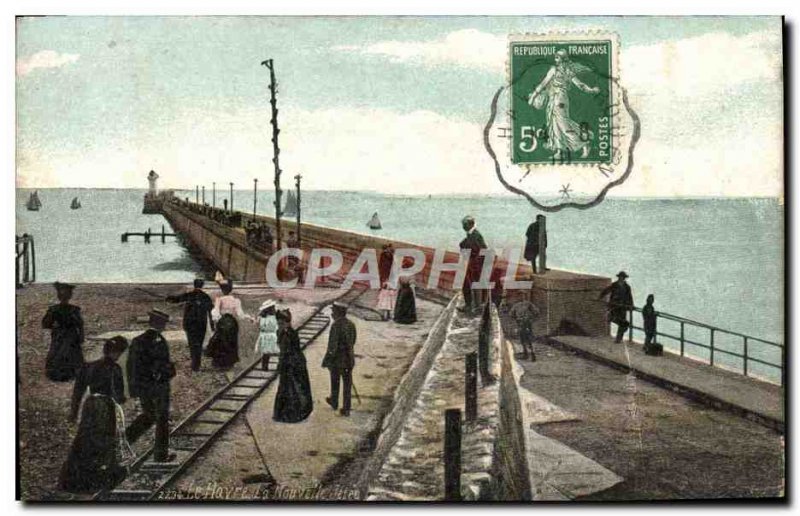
<point x="152" y="178"/>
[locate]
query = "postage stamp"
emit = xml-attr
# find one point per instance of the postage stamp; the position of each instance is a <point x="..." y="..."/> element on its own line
<point x="563" y="98"/>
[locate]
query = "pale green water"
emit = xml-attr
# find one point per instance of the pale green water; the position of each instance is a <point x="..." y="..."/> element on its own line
<point x="718" y="261"/>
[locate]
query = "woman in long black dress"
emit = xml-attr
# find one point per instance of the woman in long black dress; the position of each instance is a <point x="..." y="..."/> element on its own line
<point x="93" y="461"/>
<point x="65" y="323"/>
<point x="293" y="403"/>
<point x="405" y="308"/>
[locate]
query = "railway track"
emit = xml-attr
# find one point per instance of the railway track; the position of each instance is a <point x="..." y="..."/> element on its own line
<point x="207" y="423"/>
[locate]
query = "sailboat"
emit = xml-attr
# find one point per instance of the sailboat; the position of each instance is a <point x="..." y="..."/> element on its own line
<point x="33" y="202"/>
<point x="374" y="222"/>
<point x="291" y="205"/>
<point x="75" y="204"/>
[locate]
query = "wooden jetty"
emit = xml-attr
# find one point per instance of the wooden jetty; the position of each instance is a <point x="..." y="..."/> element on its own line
<point x="148" y="235"/>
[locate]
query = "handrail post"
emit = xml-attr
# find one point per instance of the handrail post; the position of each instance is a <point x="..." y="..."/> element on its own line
<point x="682" y="344"/>
<point x="630" y="328"/>
<point x="745" y="356"/>
<point x="712" y="347"/>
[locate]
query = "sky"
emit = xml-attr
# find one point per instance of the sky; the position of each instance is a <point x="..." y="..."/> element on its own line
<point x="388" y="104"/>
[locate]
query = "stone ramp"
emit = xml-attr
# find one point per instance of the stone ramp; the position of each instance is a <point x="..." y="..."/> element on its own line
<point x="414" y="467"/>
<point x="752" y="398"/>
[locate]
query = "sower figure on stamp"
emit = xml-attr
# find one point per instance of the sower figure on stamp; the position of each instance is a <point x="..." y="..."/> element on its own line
<point x="533" y="235"/>
<point x="524" y="313"/>
<point x="196" y="315"/>
<point x="65" y="323"/>
<point x="340" y="358"/>
<point x="619" y="303"/>
<point x="149" y="373"/>
<point x="473" y="242"/>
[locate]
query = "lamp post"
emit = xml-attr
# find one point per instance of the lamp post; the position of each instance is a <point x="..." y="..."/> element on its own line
<point x="214" y="195"/>
<point x="231" y="197"/>
<point x="255" y="193"/>
<point x="204" y="195"/>
<point x="297" y="185"/>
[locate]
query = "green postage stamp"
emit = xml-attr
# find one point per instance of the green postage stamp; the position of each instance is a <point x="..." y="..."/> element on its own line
<point x="563" y="98"/>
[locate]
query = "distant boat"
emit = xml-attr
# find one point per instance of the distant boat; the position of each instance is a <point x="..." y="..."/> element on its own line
<point x="374" y="222"/>
<point x="291" y="205"/>
<point x="76" y="204"/>
<point x="33" y="202"/>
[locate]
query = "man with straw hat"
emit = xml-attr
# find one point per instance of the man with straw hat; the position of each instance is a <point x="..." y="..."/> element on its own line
<point x="149" y="373"/>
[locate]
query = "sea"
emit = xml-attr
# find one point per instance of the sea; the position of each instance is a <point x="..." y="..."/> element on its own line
<point x="717" y="261"/>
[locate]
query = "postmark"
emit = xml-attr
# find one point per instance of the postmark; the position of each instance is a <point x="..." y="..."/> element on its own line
<point x="562" y="131"/>
<point x="563" y="98"/>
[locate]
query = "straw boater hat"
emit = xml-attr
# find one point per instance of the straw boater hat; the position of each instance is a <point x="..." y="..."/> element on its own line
<point x="266" y="304"/>
<point x="338" y="306"/>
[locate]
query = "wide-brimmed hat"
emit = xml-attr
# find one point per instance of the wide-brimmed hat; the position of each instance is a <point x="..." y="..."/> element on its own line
<point x="267" y="304"/>
<point x="622" y="274"/>
<point x="158" y="318"/>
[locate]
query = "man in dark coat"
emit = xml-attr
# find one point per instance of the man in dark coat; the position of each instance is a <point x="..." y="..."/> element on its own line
<point x="196" y="311"/>
<point x="532" y="235"/>
<point x="340" y="358"/>
<point x="474" y="243"/>
<point x="65" y="357"/>
<point x="149" y="373"/>
<point x="619" y="303"/>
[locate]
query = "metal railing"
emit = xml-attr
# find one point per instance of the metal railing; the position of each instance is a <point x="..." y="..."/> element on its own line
<point x="746" y="356"/>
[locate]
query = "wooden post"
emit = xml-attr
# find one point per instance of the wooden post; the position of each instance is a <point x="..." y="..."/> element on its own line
<point x="163" y="234"/>
<point x="471" y="386"/>
<point x="452" y="455"/>
<point x="682" y="345"/>
<point x="33" y="259"/>
<point x="25" y="260"/>
<point x="196" y="194"/>
<point x="275" y="149"/>
<point x="213" y="195"/>
<point x="203" y="196"/>
<point x="630" y="328"/>
<point x="231" y="197"/>
<point x="543" y="245"/>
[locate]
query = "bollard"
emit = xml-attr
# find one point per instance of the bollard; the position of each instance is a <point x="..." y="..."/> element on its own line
<point x="471" y="387"/>
<point x="163" y="234"/>
<point x="452" y="455"/>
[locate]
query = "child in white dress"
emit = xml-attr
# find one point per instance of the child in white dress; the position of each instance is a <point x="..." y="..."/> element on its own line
<point x="267" y="342"/>
<point x="386" y="298"/>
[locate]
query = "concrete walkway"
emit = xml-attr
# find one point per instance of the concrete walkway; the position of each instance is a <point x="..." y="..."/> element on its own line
<point x="753" y="398"/>
<point x="321" y="457"/>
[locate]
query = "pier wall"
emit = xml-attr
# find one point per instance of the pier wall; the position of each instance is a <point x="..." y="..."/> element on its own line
<point x="567" y="300"/>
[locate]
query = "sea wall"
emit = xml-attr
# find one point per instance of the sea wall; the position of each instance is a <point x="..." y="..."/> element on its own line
<point x="567" y="300"/>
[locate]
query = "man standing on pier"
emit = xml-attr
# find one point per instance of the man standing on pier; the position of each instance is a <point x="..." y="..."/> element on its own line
<point x="473" y="242"/>
<point x="535" y="233"/>
<point x="149" y="373"/>
<point x="619" y="303"/>
<point x="340" y="358"/>
<point x="196" y="311"/>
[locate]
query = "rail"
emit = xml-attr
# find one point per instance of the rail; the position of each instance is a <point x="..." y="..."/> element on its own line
<point x="711" y="345"/>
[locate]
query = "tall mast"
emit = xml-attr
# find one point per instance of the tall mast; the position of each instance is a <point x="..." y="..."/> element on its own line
<point x="275" y="149"/>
